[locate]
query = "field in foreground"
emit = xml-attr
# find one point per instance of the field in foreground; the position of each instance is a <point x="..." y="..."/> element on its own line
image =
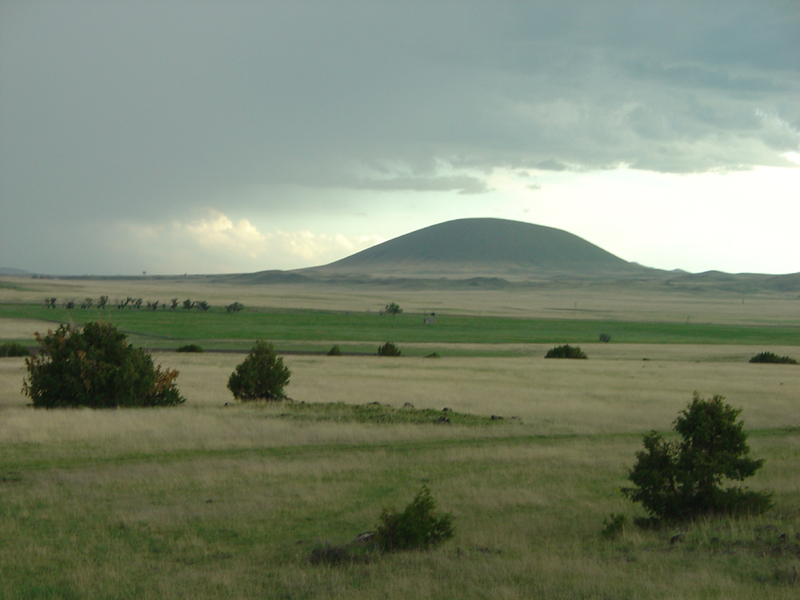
<point x="217" y="501"/>
<point x="220" y="500"/>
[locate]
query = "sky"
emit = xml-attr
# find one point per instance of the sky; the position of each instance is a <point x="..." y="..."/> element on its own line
<point x="174" y="137"/>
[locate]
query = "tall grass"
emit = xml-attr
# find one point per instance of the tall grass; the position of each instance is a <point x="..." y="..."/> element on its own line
<point x="217" y="501"/>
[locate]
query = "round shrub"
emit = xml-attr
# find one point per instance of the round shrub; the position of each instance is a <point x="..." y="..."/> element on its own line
<point x="96" y="367"/>
<point x="565" y="351"/>
<point x="261" y="376"/>
<point x="335" y="351"/>
<point x="189" y="348"/>
<point x="388" y="349"/>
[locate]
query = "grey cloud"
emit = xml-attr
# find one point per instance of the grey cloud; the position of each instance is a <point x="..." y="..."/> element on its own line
<point x="551" y="165"/>
<point x="143" y="110"/>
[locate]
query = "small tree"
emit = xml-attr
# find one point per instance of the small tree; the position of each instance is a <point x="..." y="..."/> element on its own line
<point x="392" y="309"/>
<point x="261" y="376"/>
<point x="565" y="351"/>
<point x="417" y="526"/>
<point x="95" y="367"/>
<point x="388" y="349"/>
<point x="235" y="307"/>
<point x="680" y="480"/>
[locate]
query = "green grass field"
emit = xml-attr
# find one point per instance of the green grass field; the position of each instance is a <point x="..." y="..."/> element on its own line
<point x="216" y="499"/>
<point x="293" y="329"/>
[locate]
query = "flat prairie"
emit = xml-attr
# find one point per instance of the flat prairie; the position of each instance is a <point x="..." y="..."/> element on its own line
<point x="220" y="499"/>
<point x="622" y="300"/>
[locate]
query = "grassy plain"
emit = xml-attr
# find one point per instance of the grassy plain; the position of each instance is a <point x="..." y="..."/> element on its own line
<point x="219" y="500"/>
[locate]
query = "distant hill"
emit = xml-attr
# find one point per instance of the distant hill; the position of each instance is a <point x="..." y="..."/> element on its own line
<point x="484" y="248"/>
<point x="498" y="254"/>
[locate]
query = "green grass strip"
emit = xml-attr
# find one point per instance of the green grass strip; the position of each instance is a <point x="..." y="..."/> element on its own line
<point x="166" y="326"/>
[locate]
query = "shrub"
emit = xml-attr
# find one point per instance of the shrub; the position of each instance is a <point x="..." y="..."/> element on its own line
<point x="189" y="348"/>
<point x="335" y="351"/>
<point x="605" y="337"/>
<point x="388" y="349"/>
<point x="235" y="307"/>
<point x="392" y="309"/>
<point x="13" y="349"/>
<point x="769" y="357"/>
<point x="416" y="527"/>
<point x="681" y="480"/>
<point x="95" y="367"/>
<point x="261" y="376"/>
<point x="565" y="351"/>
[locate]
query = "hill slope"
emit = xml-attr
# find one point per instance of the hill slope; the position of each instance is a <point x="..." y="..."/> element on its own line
<point x="485" y="247"/>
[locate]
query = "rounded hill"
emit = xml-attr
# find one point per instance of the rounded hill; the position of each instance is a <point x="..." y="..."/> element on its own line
<point x="485" y="247"/>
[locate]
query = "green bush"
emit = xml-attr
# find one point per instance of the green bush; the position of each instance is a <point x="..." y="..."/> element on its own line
<point x="769" y="357"/>
<point x="235" y="307"/>
<point x="416" y="527"/>
<point x="392" y="309"/>
<point x="13" y="349"/>
<point x="335" y="351"/>
<point x="189" y="348"/>
<point x="680" y="480"/>
<point x="605" y="337"/>
<point x="388" y="349"/>
<point x="95" y="367"/>
<point x="565" y="351"/>
<point x="261" y="376"/>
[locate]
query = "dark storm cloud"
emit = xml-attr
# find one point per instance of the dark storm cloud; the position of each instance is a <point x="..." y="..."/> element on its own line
<point x="143" y="110"/>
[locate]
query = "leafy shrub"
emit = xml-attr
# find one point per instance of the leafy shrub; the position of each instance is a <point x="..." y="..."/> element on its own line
<point x="189" y="348"/>
<point x="416" y="527"/>
<point x="388" y="349"/>
<point x="95" y="367"/>
<point x="335" y="351"/>
<point x="235" y="307"/>
<point x="261" y="376"/>
<point x="680" y="480"/>
<point x="392" y="309"/>
<point x="605" y="337"/>
<point x="565" y="351"/>
<point x="769" y="357"/>
<point x="13" y="349"/>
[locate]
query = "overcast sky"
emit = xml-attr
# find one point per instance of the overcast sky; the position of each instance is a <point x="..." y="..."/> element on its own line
<point x="236" y="136"/>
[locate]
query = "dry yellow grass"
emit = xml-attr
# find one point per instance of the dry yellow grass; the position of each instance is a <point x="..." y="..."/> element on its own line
<point x="617" y="392"/>
<point x="215" y="501"/>
<point x="624" y="301"/>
